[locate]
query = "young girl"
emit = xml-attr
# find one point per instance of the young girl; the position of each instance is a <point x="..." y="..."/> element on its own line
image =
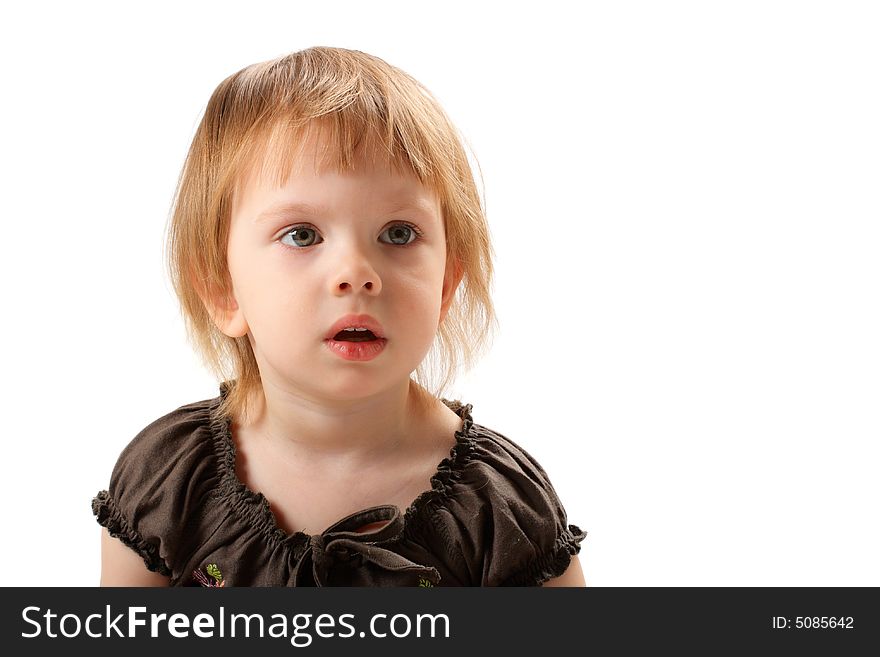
<point x="327" y="231"/>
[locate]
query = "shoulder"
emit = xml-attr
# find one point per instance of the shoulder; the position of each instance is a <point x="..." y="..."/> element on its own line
<point x="499" y="511"/>
<point x="160" y="483"/>
<point x="505" y="459"/>
<point x="513" y="483"/>
<point x="175" y="440"/>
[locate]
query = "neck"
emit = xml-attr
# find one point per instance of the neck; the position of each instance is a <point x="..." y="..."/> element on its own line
<point x="339" y="437"/>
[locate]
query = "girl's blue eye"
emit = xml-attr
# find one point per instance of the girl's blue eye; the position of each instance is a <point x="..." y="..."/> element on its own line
<point x="300" y="234"/>
<point x="403" y="232"/>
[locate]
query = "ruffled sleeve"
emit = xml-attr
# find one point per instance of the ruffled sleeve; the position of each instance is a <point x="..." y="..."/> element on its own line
<point x="500" y="518"/>
<point x="159" y="487"/>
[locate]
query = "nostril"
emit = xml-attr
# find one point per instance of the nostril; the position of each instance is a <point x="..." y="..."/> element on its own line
<point x="344" y="286"/>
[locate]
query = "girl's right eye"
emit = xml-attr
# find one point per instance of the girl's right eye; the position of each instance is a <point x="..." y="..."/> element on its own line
<point x="301" y="237"/>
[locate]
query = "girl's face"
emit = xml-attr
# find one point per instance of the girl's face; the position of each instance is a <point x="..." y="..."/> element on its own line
<point x="326" y="245"/>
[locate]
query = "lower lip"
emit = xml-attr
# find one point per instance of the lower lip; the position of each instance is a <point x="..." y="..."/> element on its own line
<point x="357" y="350"/>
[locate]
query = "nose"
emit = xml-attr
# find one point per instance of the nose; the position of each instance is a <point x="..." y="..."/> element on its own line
<point x="355" y="273"/>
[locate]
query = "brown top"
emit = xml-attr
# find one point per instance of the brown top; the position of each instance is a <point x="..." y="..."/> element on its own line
<point x="491" y="517"/>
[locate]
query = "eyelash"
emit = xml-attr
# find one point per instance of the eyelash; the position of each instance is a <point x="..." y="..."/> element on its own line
<point x="418" y="235"/>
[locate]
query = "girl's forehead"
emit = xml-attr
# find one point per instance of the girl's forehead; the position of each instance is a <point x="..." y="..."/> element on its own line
<point x="275" y="162"/>
<point x="284" y="176"/>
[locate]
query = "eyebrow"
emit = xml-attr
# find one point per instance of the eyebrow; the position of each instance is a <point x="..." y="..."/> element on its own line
<point x="285" y="209"/>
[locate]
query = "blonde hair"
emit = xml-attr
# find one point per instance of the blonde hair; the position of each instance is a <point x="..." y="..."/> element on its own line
<point x="260" y="115"/>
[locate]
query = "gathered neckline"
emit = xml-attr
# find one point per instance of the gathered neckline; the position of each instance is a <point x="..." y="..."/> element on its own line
<point x="254" y="508"/>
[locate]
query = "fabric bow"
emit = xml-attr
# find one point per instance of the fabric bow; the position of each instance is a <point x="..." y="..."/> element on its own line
<point x="342" y="556"/>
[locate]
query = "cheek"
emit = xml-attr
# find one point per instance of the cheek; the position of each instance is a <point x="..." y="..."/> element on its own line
<point x="272" y="301"/>
<point x="419" y="306"/>
<point x="421" y="287"/>
<point x="241" y="266"/>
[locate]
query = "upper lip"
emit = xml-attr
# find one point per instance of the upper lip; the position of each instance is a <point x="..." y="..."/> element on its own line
<point x="355" y="321"/>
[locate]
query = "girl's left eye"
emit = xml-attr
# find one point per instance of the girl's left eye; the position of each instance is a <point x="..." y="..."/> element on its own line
<point x="402" y="234"/>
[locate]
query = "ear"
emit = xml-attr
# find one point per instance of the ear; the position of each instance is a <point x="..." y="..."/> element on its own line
<point x="451" y="279"/>
<point x="224" y="311"/>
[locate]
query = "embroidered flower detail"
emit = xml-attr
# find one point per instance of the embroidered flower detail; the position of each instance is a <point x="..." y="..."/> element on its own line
<point x="214" y="581"/>
<point x="425" y="582"/>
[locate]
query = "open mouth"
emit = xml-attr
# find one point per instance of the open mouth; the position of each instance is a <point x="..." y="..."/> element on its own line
<point x="355" y="336"/>
<point x="361" y="345"/>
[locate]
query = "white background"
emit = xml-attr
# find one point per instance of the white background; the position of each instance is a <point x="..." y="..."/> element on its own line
<point x="684" y="202"/>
